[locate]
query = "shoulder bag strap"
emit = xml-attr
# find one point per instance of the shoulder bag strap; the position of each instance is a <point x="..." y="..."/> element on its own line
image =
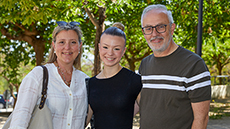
<point x="44" y="87"/>
<point x="87" y="89"/>
<point x="87" y="86"/>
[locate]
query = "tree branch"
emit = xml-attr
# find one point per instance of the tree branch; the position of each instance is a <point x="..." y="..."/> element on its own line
<point x="21" y="37"/>
<point x="91" y="16"/>
<point x="8" y="80"/>
<point x="27" y="32"/>
<point x="93" y="20"/>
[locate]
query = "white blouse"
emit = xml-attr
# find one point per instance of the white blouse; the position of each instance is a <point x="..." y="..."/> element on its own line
<point x="67" y="104"/>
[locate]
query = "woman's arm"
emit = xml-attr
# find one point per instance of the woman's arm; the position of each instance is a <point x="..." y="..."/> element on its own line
<point x="136" y="105"/>
<point x="89" y="115"/>
<point x="28" y="95"/>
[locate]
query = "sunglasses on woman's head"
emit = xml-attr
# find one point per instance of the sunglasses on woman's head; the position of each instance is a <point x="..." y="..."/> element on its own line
<point x="63" y="23"/>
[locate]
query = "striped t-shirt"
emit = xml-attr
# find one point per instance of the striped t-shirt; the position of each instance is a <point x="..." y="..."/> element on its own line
<point x="170" y="85"/>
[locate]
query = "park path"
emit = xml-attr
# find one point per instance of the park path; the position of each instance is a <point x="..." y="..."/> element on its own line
<point x="223" y="123"/>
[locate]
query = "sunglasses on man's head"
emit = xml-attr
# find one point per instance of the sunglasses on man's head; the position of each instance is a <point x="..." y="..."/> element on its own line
<point x="63" y="23"/>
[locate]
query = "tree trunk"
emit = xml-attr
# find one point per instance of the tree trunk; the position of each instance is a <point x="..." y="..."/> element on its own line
<point x="219" y="67"/>
<point x="39" y="48"/>
<point x="97" y="60"/>
<point x="220" y="73"/>
<point x="99" y="30"/>
<point x="131" y="65"/>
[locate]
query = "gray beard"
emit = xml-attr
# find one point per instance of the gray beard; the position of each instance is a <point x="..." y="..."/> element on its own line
<point x="163" y="48"/>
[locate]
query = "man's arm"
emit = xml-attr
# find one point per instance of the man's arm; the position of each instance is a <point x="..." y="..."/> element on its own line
<point x="200" y="111"/>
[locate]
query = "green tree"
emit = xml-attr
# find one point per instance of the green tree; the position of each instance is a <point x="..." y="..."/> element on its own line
<point x="129" y="14"/>
<point x="217" y="53"/>
<point x="216" y="29"/>
<point x="3" y="85"/>
<point x="96" y="13"/>
<point x="185" y="15"/>
<point x="26" y="27"/>
<point x="217" y="35"/>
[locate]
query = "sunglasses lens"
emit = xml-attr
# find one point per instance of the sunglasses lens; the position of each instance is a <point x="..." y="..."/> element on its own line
<point x="62" y="23"/>
<point x="74" y="23"/>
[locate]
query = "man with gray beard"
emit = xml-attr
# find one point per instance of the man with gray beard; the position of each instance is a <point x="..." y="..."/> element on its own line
<point x="176" y="82"/>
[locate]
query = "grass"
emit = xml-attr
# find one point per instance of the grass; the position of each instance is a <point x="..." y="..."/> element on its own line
<point x="219" y="108"/>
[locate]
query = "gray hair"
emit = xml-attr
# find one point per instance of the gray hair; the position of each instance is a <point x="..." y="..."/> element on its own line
<point x="157" y="6"/>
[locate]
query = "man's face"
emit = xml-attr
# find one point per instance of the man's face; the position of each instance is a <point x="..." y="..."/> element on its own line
<point x="158" y="42"/>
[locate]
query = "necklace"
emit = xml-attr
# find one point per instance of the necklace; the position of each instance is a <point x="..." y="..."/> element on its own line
<point x="63" y="76"/>
<point x="63" y="70"/>
<point x="104" y="74"/>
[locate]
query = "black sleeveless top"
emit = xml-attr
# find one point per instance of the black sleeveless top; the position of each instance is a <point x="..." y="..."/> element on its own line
<point x="112" y="99"/>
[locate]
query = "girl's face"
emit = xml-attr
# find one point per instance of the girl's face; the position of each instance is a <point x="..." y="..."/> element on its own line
<point x="111" y="48"/>
<point x="67" y="46"/>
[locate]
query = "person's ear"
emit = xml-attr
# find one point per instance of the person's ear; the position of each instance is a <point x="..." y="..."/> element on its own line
<point x="124" y="51"/>
<point x="99" y="46"/>
<point x="53" y="44"/>
<point x="173" y="26"/>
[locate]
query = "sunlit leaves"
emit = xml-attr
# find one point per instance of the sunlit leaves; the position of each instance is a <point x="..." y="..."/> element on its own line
<point x="217" y="52"/>
<point x="35" y="18"/>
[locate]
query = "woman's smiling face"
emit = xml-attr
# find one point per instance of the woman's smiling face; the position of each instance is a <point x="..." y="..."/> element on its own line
<point x="67" y="46"/>
<point x="111" y="48"/>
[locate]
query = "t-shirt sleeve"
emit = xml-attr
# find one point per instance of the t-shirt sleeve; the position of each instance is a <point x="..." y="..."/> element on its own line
<point x="199" y="83"/>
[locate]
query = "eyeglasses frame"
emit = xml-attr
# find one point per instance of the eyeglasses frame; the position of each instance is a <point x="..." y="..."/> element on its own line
<point x="155" y="28"/>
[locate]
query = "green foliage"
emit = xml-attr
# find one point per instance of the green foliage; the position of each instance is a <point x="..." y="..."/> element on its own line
<point x="14" y="53"/>
<point x="216" y="29"/>
<point x="216" y="52"/>
<point x="31" y="11"/>
<point x="185" y="15"/>
<point x="38" y="18"/>
<point x="26" y="27"/>
<point x="129" y="14"/>
<point x="3" y="85"/>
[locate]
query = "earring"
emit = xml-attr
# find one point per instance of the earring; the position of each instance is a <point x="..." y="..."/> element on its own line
<point x="54" y="51"/>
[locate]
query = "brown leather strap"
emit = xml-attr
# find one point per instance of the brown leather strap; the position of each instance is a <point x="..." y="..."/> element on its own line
<point x="87" y="88"/>
<point x="44" y="87"/>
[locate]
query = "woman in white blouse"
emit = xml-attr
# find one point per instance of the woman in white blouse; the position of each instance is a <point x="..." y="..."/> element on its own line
<point x="67" y="96"/>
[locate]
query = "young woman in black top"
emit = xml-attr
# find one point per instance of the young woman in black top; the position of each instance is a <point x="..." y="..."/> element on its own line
<point x="112" y="93"/>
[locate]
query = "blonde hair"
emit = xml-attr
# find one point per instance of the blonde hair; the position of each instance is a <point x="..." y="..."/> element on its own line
<point x="52" y="56"/>
<point x="117" y="29"/>
<point x="119" y="25"/>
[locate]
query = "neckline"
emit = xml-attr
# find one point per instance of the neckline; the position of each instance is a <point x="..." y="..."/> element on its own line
<point x="56" y="69"/>
<point x="173" y="53"/>
<point x="110" y="77"/>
